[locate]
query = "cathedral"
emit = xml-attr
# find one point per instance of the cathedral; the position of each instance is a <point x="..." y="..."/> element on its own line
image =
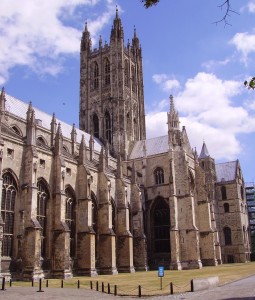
<point x="103" y="199"/>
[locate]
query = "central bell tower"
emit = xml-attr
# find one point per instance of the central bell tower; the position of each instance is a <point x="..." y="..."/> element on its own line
<point x="111" y="90"/>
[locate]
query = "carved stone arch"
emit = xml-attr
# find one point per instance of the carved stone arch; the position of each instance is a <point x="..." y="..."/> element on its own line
<point x="17" y="130"/>
<point x="17" y="182"/>
<point x="41" y="140"/>
<point x="45" y="182"/>
<point x="66" y="148"/>
<point x="160" y="225"/>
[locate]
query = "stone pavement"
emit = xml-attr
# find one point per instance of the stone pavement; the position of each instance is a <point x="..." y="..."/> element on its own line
<point x="239" y="290"/>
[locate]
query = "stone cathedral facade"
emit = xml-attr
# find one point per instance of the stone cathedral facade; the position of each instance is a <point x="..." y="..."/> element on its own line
<point x="103" y="199"/>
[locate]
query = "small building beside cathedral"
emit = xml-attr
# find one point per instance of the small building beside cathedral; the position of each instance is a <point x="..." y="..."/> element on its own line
<point x="103" y="199"/>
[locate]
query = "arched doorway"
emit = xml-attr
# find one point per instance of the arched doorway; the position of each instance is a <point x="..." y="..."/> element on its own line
<point x="160" y="233"/>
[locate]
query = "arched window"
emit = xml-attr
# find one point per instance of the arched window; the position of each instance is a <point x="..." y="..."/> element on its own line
<point x="40" y="141"/>
<point x="227" y="236"/>
<point x="133" y="79"/>
<point x="159" y="175"/>
<point x="223" y="193"/>
<point x="126" y="74"/>
<point x="16" y="130"/>
<point x="226" y="207"/>
<point x="96" y="75"/>
<point x="9" y="194"/>
<point x="96" y="126"/>
<point x="108" y="129"/>
<point x="161" y="226"/>
<point x="42" y="200"/>
<point x="107" y="71"/>
<point x="70" y="218"/>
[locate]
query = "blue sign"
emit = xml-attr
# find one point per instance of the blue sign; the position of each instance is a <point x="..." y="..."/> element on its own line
<point x="160" y="271"/>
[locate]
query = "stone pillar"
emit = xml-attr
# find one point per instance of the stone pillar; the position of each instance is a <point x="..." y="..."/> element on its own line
<point x="139" y="238"/>
<point x="124" y="237"/>
<point x="86" y="244"/>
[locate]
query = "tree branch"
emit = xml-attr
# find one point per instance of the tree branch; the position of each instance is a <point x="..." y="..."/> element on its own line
<point x="227" y="14"/>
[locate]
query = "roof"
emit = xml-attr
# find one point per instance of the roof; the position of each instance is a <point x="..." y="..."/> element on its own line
<point x="19" y="109"/>
<point x="204" y="152"/>
<point x="226" y="171"/>
<point x="153" y="146"/>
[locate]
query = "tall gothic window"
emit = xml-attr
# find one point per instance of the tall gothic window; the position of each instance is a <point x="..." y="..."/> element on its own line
<point x="96" y="75"/>
<point x="70" y="218"/>
<point x="159" y="175"/>
<point x="133" y="79"/>
<point x="223" y="193"/>
<point x="108" y="129"/>
<point x="161" y="226"/>
<point x="107" y="72"/>
<point x="227" y="236"/>
<point x="126" y="74"/>
<point x="9" y="194"/>
<point x="96" y="126"/>
<point x="42" y="200"/>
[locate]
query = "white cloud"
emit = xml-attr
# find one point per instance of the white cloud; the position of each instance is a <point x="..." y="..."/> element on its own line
<point x="251" y="7"/>
<point x="165" y="82"/>
<point x="37" y="33"/>
<point x="244" y="43"/>
<point x="207" y="107"/>
<point x="212" y="64"/>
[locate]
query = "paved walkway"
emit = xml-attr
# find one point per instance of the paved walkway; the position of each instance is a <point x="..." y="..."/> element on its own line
<point x="239" y="290"/>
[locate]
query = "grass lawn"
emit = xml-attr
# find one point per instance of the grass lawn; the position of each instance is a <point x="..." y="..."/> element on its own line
<point x="127" y="284"/>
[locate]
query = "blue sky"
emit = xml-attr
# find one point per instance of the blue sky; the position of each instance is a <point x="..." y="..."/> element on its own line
<point x="185" y="53"/>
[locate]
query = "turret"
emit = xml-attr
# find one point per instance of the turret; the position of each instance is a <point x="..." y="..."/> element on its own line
<point x="86" y="40"/>
<point x="117" y="29"/>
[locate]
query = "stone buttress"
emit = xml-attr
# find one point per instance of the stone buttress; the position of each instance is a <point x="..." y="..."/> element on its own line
<point x="124" y="236"/>
<point x="85" y="233"/>
<point x="31" y="240"/>
<point x="61" y="264"/>
<point x="107" y="237"/>
<point x="139" y="238"/>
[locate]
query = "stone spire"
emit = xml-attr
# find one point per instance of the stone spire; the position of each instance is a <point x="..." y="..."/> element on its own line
<point x="73" y="138"/>
<point x="117" y="29"/>
<point x="82" y="151"/>
<point x="204" y="152"/>
<point x="86" y="40"/>
<point x="59" y="140"/>
<point x="2" y="100"/>
<point x="173" y="116"/>
<point x="135" y="40"/>
<point x="53" y="127"/>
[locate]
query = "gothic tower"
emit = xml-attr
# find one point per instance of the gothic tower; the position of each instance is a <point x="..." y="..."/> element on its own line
<point x="111" y="90"/>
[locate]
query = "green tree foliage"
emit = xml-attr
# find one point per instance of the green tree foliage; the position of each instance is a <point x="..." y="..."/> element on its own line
<point x="250" y="84"/>
<point x="149" y="3"/>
